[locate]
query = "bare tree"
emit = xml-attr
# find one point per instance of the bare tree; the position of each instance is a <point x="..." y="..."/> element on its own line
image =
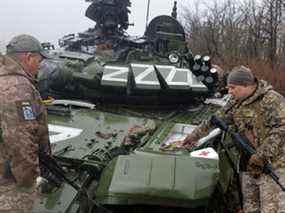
<point x="234" y="30"/>
<point x="273" y="21"/>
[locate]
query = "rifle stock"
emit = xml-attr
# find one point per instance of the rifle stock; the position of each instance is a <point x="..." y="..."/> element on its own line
<point x="51" y="165"/>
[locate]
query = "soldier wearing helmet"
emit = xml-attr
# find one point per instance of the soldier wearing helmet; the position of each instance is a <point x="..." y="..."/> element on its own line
<point x="23" y="120"/>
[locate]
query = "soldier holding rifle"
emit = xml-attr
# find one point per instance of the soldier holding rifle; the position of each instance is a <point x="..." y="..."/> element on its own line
<point x="258" y="113"/>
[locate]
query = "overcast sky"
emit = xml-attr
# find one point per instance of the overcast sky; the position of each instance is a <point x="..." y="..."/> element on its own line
<point x="51" y="19"/>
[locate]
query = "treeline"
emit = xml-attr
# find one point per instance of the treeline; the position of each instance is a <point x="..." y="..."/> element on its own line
<point x="234" y="32"/>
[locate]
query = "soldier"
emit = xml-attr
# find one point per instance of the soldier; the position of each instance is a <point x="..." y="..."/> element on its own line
<point x="23" y="119"/>
<point x="258" y="113"/>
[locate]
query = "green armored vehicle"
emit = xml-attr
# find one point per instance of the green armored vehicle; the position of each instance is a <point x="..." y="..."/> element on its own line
<point x="112" y="111"/>
<point x="114" y="161"/>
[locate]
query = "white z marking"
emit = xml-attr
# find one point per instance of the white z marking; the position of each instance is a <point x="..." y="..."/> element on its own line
<point x="112" y="76"/>
<point x="62" y="133"/>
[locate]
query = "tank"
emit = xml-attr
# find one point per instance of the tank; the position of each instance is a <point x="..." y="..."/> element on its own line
<point x="104" y="64"/>
<point x="115" y="103"/>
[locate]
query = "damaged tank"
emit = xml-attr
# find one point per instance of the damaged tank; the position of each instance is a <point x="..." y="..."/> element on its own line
<point x="114" y="103"/>
<point x="112" y="159"/>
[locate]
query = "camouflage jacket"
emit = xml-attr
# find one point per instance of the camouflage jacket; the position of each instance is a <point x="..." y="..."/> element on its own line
<point x="23" y="121"/>
<point x="260" y="118"/>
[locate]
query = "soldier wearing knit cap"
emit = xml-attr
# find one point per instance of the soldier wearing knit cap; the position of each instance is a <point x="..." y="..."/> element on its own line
<point x="258" y="113"/>
<point x="241" y="75"/>
<point x="241" y="83"/>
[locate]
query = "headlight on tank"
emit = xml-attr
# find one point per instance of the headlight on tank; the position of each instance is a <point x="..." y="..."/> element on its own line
<point x="173" y="58"/>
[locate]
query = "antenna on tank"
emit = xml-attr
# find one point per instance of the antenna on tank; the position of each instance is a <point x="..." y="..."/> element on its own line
<point x="174" y="10"/>
<point x="147" y="14"/>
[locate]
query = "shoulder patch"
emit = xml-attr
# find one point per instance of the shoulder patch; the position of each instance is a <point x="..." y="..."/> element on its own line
<point x="271" y="96"/>
<point x="26" y="111"/>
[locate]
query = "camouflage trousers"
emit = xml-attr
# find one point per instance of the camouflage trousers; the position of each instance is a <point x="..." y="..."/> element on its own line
<point x="263" y="194"/>
<point x="20" y="164"/>
<point x="14" y="200"/>
<point x="3" y="160"/>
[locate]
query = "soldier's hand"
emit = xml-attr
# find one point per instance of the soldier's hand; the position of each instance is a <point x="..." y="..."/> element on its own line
<point x="256" y="173"/>
<point x="255" y="165"/>
<point x="256" y="161"/>
<point x="189" y="142"/>
<point x="172" y="146"/>
<point x="189" y="145"/>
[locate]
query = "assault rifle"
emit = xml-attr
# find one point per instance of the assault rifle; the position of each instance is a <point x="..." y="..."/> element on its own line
<point x="52" y="166"/>
<point x="243" y="145"/>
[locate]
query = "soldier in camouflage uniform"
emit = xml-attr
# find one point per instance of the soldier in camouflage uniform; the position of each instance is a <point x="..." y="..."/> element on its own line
<point x="23" y="120"/>
<point x="258" y="113"/>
